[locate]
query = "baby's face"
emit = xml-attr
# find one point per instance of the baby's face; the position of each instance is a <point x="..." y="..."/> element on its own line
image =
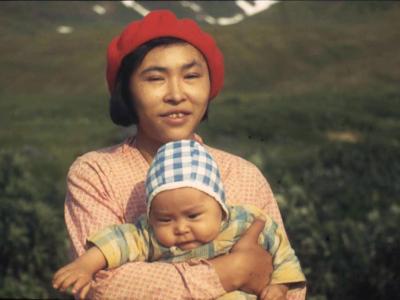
<point x="185" y="218"/>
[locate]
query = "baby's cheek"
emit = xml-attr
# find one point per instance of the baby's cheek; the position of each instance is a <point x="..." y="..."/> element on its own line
<point x="209" y="231"/>
<point x="164" y="237"/>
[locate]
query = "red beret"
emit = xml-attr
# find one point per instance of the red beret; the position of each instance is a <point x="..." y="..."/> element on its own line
<point x="163" y="23"/>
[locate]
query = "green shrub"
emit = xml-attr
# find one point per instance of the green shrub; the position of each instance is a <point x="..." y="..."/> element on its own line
<point x="342" y="213"/>
<point x="31" y="228"/>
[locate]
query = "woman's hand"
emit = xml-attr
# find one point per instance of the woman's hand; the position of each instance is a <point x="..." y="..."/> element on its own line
<point x="254" y="262"/>
<point x="274" y="292"/>
<point x="248" y="267"/>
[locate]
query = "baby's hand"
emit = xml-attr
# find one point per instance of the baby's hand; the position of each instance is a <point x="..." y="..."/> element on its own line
<point x="79" y="273"/>
<point x="73" y="275"/>
<point x="274" y="292"/>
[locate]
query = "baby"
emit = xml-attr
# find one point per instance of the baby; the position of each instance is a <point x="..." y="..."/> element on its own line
<point x="187" y="217"/>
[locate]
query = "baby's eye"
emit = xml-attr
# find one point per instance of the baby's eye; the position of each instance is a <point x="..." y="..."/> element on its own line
<point x="194" y="216"/>
<point x="164" y="220"/>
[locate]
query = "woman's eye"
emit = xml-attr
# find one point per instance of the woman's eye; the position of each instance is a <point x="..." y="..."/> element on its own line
<point x="154" y="78"/>
<point x="192" y="76"/>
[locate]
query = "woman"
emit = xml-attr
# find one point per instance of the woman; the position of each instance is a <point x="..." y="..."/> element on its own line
<point x="162" y="73"/>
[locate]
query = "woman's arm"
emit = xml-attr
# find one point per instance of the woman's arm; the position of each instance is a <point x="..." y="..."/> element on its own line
<point x="89" y="207"/>
<point x="249" y="266"/>
<point x="245" y="184"/>
<point x="267" y="202"/>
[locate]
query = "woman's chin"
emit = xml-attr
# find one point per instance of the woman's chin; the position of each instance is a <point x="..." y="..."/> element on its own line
<point x="177" y="135"/>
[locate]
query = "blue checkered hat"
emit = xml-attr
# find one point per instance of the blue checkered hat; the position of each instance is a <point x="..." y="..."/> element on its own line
<point x="184" y="163"/>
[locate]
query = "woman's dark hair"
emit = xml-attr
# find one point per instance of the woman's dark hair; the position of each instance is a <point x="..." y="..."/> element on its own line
<point x="122" y="106"/>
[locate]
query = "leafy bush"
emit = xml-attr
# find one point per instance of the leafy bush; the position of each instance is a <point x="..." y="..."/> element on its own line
<point x="342" y="213"/>
<point x="31" y="228"/>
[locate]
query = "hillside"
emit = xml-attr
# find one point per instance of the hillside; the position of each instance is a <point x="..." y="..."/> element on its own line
<point x="322" y="43"/>
<point x="292" y="48"/>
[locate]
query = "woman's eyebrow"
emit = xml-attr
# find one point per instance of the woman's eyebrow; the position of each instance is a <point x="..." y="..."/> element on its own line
<point x="154" y="68"/>
<point x="191" y="64"/>
<point x="165" y="70"/>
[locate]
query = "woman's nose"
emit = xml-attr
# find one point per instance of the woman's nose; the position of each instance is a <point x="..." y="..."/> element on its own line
<point x="175" y="93"/>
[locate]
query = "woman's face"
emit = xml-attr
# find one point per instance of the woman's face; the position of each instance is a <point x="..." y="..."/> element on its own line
<point x="170" y="88"/>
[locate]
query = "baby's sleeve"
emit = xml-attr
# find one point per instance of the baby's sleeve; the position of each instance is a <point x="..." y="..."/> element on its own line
<point x="286" y="265"/>
<point x="121" y="243"/>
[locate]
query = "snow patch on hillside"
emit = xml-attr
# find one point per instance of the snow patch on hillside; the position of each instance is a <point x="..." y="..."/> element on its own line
<point x="136" y="6"/>
<point x="254" y="7"/>
<point x="249" y="9"/>
<point x="63" y="29"/>
<point x="99" y="9"/>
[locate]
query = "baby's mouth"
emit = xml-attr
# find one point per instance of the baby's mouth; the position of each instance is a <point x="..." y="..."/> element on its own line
<point x="188" y="245"/>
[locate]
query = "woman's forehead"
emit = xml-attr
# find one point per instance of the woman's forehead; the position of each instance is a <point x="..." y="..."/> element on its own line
<point x="172" y="56"/>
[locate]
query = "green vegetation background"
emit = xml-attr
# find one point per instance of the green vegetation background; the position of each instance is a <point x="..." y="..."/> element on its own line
<point x="311" y="97"/>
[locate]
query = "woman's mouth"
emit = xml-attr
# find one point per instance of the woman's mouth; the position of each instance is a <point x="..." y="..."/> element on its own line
<point x="175" y="118"/>
<point x="176" y="115"/>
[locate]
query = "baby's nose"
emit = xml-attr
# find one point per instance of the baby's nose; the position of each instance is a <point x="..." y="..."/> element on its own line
<point x="181" y="227"/>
